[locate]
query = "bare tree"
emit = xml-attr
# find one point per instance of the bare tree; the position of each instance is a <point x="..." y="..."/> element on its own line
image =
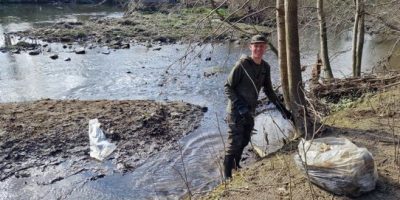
<point x="358" y="37"/>
<point x="297" y="100"/>
<point x="324" y="40"/>
<point x="282" y="57"/>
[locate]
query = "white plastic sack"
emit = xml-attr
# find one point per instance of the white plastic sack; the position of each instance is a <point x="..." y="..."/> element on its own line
<point x="338" y="165"/>
<point x="270" y="130"/>
<point x="100" y="148"/>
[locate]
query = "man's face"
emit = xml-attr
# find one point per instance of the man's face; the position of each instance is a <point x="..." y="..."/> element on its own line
<point x="258" y="49"/>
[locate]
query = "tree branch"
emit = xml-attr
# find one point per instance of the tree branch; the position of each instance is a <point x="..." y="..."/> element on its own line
<point x="272" y="47"/>
<point x="387" y="24"/>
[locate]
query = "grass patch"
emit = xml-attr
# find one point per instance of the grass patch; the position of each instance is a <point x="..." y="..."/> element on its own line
<point x="369" y="112"/>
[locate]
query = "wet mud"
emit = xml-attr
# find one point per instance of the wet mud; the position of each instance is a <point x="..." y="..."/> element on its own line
<point x="48" y="133"/>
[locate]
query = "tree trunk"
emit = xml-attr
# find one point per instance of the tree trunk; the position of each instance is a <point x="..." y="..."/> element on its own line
<point x="282" y="57"/>
<point x="297" y="100"/>
<point x="355" y="36"/>
<point x="324" y="40"/>
<point x="360" y="38"/>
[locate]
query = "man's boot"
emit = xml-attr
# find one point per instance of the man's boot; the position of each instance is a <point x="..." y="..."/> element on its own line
<point x="228" y="165"/>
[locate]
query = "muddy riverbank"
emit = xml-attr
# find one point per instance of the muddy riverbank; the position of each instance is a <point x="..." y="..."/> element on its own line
<point x="178" y="25"/>
<point x="47" y="133"/>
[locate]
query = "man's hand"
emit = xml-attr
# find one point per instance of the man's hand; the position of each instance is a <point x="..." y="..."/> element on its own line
<point x="240" y="107"/>
<point x="246" y="119"/>
<point x="243" y="110"/>
<point x="287" y="114"/>
<point x="244" y="113"/>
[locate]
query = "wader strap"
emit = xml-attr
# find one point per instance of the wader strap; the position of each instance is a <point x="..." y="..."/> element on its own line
<point x="255" y="88"/>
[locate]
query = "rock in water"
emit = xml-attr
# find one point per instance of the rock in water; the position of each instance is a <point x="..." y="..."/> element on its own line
<point x="54" y="56"/>
<point x="66" y="39"/>
<point x="15" y="51"/>
<point x="106" y="52"/>
<point x="125" y="45"/>
<point x="148" y="45"/>
<point x="80" y="50"/>
<point x="34" y="52"/>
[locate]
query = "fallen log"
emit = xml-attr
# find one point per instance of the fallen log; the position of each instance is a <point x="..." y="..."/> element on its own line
<point x="336" y="89"/>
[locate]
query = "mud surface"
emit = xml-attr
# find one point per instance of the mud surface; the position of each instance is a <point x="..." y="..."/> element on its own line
<point x="183" y="25"/>
<point x="47" y="133"/>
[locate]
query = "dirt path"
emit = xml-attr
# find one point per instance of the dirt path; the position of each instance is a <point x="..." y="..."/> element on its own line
<point x="48" y="132"/>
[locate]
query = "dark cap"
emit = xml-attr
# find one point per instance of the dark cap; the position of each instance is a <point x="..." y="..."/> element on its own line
<point x="258" y="39"/>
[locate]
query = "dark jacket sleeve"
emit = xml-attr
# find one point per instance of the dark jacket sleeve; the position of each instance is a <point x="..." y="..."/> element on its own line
<point x="233" y="80"/>
<point x="269" y="91"/>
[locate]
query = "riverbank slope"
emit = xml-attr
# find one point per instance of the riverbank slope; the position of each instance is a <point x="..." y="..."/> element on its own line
<point x="372" y="121"/>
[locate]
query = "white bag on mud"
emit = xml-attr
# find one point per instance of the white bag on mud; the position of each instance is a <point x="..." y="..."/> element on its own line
<point x="100" y="148"/>
<point x="338" y="165"/>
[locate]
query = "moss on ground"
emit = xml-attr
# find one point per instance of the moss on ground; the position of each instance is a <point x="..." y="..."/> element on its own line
<point x="372" y="111"/>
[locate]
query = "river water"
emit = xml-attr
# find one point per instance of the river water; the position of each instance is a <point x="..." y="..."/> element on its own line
<point x="138" y="73"/>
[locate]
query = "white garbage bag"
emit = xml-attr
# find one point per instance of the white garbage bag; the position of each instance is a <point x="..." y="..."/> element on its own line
<point x="337" y="165"/>
<point x="100" y="148"/>
<point x="270" y="130"/>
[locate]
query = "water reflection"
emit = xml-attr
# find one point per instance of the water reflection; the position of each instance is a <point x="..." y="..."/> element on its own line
<point x="47" y="12"/>
<point x="340" y="52"/>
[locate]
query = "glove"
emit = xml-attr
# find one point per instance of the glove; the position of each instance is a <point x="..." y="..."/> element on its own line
<point x="240" y="107"/>
<point x="243" y="112"/>
<point x="287" y="114"/>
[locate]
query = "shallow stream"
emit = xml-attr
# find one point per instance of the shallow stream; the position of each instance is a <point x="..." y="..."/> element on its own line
<point x="137" y="73"/>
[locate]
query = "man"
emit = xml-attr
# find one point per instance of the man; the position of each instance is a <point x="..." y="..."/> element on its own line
<point x="242" y="88"/>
